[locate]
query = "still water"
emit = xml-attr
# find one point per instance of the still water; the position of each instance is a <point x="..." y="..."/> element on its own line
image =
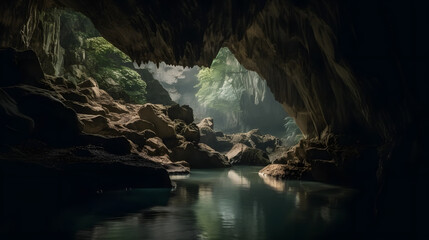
<point x="235" y="203"/>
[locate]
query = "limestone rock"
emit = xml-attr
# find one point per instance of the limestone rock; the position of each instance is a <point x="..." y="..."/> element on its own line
<point x="140" y="125"/>
<point x="74" y="96"/>
<point x="54" y="123"/>
<point x="82" y="170"/>
<point x="184" y="113"/>
<point x="198" y="156"/>
<point x="190" y="132"/>
<point x="155" y="146"/>
<point x="93" y="123"/>
<point x="164" y="127"/>
<point x="88" y="83"/>
<point x="285" y="171"/>
<point x="241" y="154"/>
<point x="114" y="107"/>
<point x="206" y="122"/>
<point x="86" y="108"/>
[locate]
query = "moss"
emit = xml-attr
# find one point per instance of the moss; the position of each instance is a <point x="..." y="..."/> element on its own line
<point x="107" y="65"/>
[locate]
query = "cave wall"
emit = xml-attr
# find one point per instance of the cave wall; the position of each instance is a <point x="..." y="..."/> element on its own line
<point x="294" y="45"/>
<point x="340" y="67"/>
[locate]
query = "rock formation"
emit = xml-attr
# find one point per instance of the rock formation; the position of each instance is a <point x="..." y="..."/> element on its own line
<point x="351" y="73"/>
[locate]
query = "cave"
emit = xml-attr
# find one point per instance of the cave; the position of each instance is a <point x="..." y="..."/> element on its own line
<point x="349" y="74"/>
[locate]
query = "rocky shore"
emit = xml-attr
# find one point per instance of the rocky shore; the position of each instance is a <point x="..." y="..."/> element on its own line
<point x="78" y="135"/>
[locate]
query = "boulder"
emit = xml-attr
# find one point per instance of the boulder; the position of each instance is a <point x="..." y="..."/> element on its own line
<point x="198" y="156"/>
<point x="80" y="170"/>
<point x="286" y="171"/>
<point x="54" y="123"/>
<point x="75" y="96"/>
<point x="139" y="125"/>
<point x="255" y="139"/>
<point x="190" y="132"/>
<point x="164" y="127"/>
<point x="92" y="93"/>
<point x="88" y="83"/>
<point x="207" y="134"/>
<point x="86" y="108"/>
<point x="183" y="113"/>
<point x="241" y="154"/>
<point x="114" y="107"/>
<point x="93" y="123"/>
<point x="114" y="145"/>
<point x="148" y="133"/>
<point x="62" y="82"/>
<point x="136" y="137"/>
<point x="206" y="122"/>
<point x="156" y="147"/>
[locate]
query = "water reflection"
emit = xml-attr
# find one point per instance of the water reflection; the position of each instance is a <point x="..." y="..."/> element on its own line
<point x="232" y="203"/>
<point x="238" y="179"/>
<point x="236" y="204"/>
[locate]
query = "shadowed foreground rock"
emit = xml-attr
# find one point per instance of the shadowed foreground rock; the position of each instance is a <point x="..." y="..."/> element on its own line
<point x="79" y="170"/>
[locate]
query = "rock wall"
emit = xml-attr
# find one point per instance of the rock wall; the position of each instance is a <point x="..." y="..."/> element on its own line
<point x="46" y="42"/>
<point x="351" y="69"/>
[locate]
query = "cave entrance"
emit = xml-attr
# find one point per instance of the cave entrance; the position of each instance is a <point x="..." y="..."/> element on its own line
<point x="234" y="103"/>
<point x="126" y="142"/>
<point x="237" y="99"/>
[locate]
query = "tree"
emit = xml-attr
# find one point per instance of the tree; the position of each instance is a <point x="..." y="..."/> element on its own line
<point x="108" y="65"/>
<point x="222" y="85"/>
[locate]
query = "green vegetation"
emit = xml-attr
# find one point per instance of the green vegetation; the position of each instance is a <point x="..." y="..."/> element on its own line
<point x="293" y="133"/>
<point x="109" y="66"/>
<point x="221" y="85"/>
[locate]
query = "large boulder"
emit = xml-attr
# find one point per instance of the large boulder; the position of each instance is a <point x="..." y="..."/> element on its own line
<point x="140" y="125"/>
<point x="93" y="123"/>
<point x="190" y="132"/>
<point x="155" y="147"/>
<point x="118" y="145"/>
<point x="241" y="154"/>
<point x="164" y="127"/>
<point x="198" y="156"/>
<point x="184" y="113"/>
<point x="54" y="123"/>
<point x="286" y="171"/>
<point x="88" y="83"/>
<point x="86" y="108"/>
<point x="206" y="122"/>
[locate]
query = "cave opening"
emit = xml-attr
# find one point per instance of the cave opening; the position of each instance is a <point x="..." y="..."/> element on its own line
<point x="83" y="128"/>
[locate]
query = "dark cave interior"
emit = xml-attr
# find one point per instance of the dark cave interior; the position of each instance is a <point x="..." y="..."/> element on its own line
<point x="350" y="73"/>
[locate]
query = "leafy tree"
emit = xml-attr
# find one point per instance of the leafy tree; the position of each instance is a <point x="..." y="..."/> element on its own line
<point x="293" y="133"/>
<point x="221" y="85"/>
<point x="109" y="66"/>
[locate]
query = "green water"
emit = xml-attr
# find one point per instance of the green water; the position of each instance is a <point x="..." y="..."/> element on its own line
<point x="234" y="203"/>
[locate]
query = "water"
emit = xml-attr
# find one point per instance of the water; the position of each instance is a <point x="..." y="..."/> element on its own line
<point x="233" y="203"/>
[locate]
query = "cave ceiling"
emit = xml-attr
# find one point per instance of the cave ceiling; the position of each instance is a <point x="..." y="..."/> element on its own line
<point x="316" y="56"/>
